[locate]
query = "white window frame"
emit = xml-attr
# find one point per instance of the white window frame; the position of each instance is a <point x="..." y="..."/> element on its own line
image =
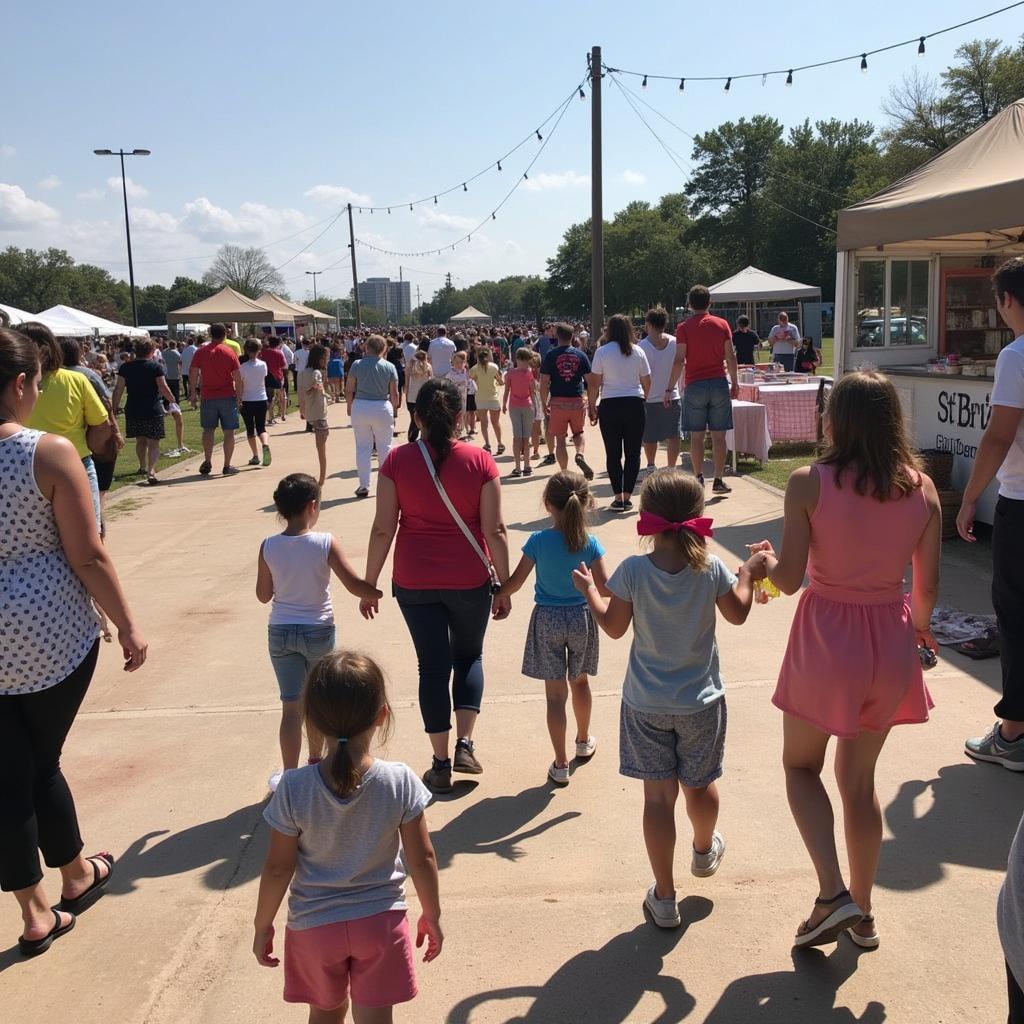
<point x="933" y="283"/>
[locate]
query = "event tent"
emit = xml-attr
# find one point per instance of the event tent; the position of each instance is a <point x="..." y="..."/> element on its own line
<point x="289" y="310"/>
<point x="953" y="200"/>
<point x="227" y="306"/>
<point x="470" y="315"/>
<point x="65" y="321"/>
<point x="16" y="316"/>
<point x="753" y="285"/>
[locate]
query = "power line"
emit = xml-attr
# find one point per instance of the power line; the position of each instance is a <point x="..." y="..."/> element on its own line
<point x="789" y="72"/>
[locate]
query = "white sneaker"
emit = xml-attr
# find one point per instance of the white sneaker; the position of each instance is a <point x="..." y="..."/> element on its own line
<point x="585" y="750"/>
<point x="559" y="776"/>
<point x="275" y="780"/>
<point x="704" y="865"/>
<point x="664" y="912"/>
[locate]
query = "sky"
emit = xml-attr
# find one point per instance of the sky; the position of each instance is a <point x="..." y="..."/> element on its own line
<point x="265" y="119"/>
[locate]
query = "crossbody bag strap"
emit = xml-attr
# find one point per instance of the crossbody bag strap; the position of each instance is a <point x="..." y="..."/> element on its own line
<point x="459" y="522"/>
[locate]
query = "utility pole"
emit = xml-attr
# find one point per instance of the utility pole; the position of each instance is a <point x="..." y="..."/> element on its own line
<point x="314" y="274"/>
<point x="399" y="317"/>
<point x="355" y="273"/>
<point x="596" y="203"/>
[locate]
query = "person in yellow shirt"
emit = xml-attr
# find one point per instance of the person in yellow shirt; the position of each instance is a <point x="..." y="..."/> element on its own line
<point x="232" y="343"/>
<point x="68" y="405"/>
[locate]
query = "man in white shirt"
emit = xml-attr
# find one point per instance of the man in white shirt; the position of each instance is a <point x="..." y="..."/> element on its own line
<point x="784" y="337"/>
<point x="662" y="422"/>
<point x="186" y="363"/>
<point x="301" y="362"/>
<point x="1001" y="454"/>
<point x="440" y="353"/>
<point x="409" y="349"/>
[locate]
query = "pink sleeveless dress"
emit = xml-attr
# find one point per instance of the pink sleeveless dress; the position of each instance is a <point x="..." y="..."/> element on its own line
<point x="851" y="663"/>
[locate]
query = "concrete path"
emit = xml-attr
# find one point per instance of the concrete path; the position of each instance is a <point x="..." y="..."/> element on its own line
<point x="541" y="888"/>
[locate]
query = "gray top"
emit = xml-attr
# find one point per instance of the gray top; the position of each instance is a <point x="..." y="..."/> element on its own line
<point x="1010" y="908"/>
<point x="94" y="379"/>
<point x="673" y="663"/>
<point x="373" y="378"/>
<point x="349" y="863"/>
<point x="172" y="360"/>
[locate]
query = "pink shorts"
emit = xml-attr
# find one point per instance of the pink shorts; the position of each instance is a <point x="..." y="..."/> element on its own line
<point x="567" y="414"/>
<point x="371" y="957"/>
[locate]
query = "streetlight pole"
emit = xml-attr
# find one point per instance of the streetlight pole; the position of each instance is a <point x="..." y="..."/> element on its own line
<point x="313" y="274"/>
<point x="122" y="153"/>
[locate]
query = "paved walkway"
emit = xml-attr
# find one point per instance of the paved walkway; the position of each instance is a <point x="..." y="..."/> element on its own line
<point x="541" y="888"/>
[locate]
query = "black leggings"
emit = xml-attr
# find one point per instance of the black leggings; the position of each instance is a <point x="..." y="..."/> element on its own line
<point x="622" y="428"/>
<point x="1015" y="999"/>
<point x="414" y="431"/>
<point x="254" y="415"/>
<point x="37" y="811"/>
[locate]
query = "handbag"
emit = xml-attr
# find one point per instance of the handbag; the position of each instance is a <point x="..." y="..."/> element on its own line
<point x="459" y="522"/>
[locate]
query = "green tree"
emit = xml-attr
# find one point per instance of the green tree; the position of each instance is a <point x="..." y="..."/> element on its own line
<point x="96" y="291"/>
<point x="985" y="78"/>
<point x="152" y="304"/>
<point x="32" y="279"/>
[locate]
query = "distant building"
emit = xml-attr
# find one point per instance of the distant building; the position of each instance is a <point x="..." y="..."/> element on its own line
<point x="392" y="298"/>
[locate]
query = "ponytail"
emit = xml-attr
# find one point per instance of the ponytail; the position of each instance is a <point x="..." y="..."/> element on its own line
<point x="438" y="406"/>
<point x="568" y="495"/>
<point x="343" y="772"/>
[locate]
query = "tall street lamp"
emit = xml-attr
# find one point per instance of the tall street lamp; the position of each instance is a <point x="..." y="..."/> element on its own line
<point x="122" y="153"/>
<point x="313" y="274"/>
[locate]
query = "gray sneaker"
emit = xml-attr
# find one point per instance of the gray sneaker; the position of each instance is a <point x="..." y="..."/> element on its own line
<point x="664" y="913"/>
<point x="992" y="747"/>
<point x="704" y="865"/>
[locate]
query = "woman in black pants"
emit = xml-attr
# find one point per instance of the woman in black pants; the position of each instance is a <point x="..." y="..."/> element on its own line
<point x="620" y="379"/>
<point x="440" y="580"/>
<point x="51" y="563"/>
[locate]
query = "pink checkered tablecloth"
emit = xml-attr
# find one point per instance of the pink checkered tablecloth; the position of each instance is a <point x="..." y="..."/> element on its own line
<point x="791" y="408"/>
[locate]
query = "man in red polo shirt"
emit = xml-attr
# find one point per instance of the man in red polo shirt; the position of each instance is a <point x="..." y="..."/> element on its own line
<point x="221" y="396"/>
<point x="704" y="348"/>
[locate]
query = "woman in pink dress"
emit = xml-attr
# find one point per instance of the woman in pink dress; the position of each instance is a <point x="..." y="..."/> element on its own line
<point x="853" y="522"/>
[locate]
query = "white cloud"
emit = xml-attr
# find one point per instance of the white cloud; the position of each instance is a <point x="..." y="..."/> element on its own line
<point x="634" y="177"/>
<point x="7" y="151"/>
<point x="337" y="194"/>
<point x="90" y="194"/>
<point x="48" y="183"/>
<point x="254" y="222"/>
<point x="567" y="179"/>
<point x="432" y="218"/>
<point x="135" y="190"/>
<point x="17" y="210"/>
<point x="152" y="220"/>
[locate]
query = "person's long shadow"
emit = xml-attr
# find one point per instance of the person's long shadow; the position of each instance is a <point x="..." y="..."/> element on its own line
<point x="805" y="995"/>
<point x="223" y="845"/>
<point x="604" y="986"/>
<point x="497" y="825"/>
<point x="974" y="812"/>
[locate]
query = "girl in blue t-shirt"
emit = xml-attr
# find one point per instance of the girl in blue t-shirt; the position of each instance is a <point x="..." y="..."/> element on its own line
<point x="562" y="644"/>
<point x="673" y="718"/>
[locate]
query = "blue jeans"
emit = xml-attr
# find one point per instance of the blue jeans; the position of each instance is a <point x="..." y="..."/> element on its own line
<point x="94" y="490"/>
<point x="786" y="362"/>
<point x="293" y="650"/>
<point x="447" y="628"/>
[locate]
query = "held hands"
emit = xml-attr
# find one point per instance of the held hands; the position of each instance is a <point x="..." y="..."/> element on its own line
<point x="756" y="566"/>
<point x="762" y="545"/>
<point x="429" y="929"/>
<point x="501" y="606"/>
<point x="134" y="648"/>
<point x="370" y="606"/>
<point x="582" y="579"/>
<point x="367" y="592"/>
<point x="263" y="947"/>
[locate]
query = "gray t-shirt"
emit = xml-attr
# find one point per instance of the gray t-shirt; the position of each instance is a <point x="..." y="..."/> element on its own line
<point x="673" y="663"/>
<point x="373" y="378"/>
<point x="1010" y="908"/>
<point x="349" y="863"/>
<point x="172" y="360"/>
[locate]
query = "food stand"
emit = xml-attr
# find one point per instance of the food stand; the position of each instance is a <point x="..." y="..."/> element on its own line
<point x="913" y="297"/>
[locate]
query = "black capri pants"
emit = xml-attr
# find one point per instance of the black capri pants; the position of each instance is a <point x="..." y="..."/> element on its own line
<point x="254" y="415"/>
<point x="37" y="810"/>
<point x="622" y="430"/>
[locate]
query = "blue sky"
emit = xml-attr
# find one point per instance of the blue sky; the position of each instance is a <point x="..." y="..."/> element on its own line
<point x="264" y="118"/>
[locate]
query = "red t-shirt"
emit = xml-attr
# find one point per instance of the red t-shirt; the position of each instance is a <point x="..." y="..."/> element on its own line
<point x="431" y="552"/>
<point x="276" y="362"/>
<point x="216" y="364"/>
<point x="704" y="336"/>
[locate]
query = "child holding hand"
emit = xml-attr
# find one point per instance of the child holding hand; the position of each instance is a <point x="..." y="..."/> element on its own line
<point x="338" y="832"/>
<point x="673" y="716"/>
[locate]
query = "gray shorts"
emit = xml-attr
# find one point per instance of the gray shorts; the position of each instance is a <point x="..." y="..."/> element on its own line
<point x="561" y="643"/>
<point x="685" y="747"/>
<point x="663" y="424"/>
<point x="522" y="421"/>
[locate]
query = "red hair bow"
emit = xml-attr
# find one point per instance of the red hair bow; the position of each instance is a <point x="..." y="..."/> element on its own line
<point x="649" y="524"/>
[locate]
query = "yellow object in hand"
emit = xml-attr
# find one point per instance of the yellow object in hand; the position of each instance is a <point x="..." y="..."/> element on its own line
<point x="766" y="591"/>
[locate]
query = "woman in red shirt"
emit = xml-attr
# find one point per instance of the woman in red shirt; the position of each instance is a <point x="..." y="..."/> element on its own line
<point x="442" y="587"/>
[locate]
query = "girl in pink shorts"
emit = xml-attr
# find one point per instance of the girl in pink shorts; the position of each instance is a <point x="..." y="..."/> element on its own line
<point x="338" y="829"/>
<point x="853" y="523"/>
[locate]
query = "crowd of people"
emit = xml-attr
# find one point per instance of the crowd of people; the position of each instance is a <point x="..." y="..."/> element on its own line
<point x="347" y="827"/>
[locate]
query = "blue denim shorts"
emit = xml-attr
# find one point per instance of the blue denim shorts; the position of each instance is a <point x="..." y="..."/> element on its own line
<point x="707" y="405"/>
<point x="94" y="490"/>
<point x="293" y="650"/>
<point x="222" y="412"/>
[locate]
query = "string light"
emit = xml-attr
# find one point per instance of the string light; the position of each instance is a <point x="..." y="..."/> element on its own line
<point x="540" y="138"/>
<point x="920" y="47"/>
<point x="494" y="216"/>
<point x="643" y="84"/>
<point x="583" y="95"/>
<point x="499" y="165"/>
<point x="464" y="189"/>
<point x="435" y="203"/>
<point x="789" y="77"/>
<point x="863" y="62"/>
<point x="682" y="84"/>
<point x="526" y="177"/>
<point x="728" y="82"/>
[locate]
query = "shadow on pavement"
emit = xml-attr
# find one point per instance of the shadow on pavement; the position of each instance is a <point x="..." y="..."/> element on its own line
<point x="495" y="824"/>
<point x="805" y="995"/>
<point x="604" y="986"/>
<point x="222" y="846"/>
<point x="974" y="813"/>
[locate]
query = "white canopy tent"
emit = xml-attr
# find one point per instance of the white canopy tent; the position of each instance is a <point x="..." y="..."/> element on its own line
<point x="68" y="322"/>
<point x="470" y="315"/>
<point x="16" y="316"/>
<point x="752" y="285"/>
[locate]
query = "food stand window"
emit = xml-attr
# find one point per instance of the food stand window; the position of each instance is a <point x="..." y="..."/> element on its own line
<point x="892" y="302"/>
<point x="971" y="325"/>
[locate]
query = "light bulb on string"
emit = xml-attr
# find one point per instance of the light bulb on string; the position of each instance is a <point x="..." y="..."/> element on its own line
<point x="728" y="82"/>
<point x="583" y="95"/>
<point x="789" y="77"/>
<point x="643" y="84"/>
<point x="464" y="189"/>
<point x="410" y="207"/>
<point x="389" y="210"/>
<point x="920" y="47"/>
<point x="864" y="62"/>
<point x="494" y="216"/>
<point x="435" y="200"/>
<point x="682" y="84"/>
<point x="499" y="165"/>
<point x="540" y="138"/>
<point x="526" y="177"/>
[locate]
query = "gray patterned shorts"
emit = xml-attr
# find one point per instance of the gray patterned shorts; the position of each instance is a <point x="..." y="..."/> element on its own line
<point x="688" y="747"/>
<point x="561" y="643"/>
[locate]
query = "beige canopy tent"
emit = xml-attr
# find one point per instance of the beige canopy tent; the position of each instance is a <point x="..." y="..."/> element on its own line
<point x="290" y="311"/>
<point x="227" y="306"/>
<point x="470" y="315"/>
<point x="956" y="200"/>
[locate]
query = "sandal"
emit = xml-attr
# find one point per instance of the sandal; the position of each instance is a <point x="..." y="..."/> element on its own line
<point x="501" y="450"/>
<point x="866" y="941"/>
<point x="487" y="447"/>
<point x="986" y="646"/>
<point x="33" y="947"/>
<point x="516" y="473"/>
<point x="86" y="899"/>
<point x="830" y="928"/>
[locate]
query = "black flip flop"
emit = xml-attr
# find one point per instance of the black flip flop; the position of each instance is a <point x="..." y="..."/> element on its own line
<point x="986" y="646"/>
<point x="95" y="891"/>
<point x="33" y="947"/>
